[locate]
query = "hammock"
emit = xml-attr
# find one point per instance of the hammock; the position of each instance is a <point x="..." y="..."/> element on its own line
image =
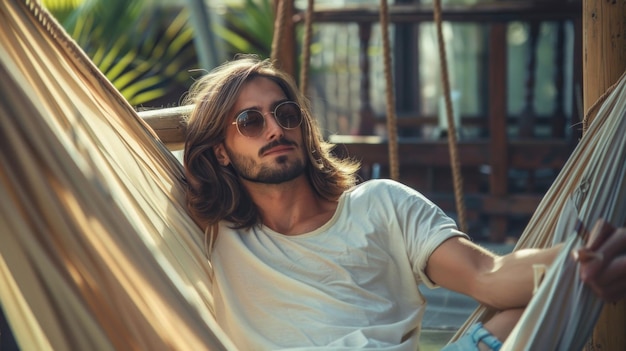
<point x="591" y="185"/>
<point x="97" y="250"/>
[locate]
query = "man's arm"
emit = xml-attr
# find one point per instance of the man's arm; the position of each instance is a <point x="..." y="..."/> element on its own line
<point x="502" y="282"/>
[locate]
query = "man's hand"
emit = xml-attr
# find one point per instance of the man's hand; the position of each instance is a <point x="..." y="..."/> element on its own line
<point x="603" y="261"/>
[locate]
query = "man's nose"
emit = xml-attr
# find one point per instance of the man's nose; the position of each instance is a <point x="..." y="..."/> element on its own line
<point x="272" y="128"/>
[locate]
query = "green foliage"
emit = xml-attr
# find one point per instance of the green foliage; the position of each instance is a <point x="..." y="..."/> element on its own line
<point x="144" y="50"/>
<point x="248" y="28"/>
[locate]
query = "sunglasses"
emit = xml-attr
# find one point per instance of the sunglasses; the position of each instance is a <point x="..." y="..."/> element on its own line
<point x="251" y="123"/>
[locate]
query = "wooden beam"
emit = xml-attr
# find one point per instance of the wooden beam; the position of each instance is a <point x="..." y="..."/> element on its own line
<point x="493" y="11"/>
<point x="604" y="61"/>
<point x="169" y="124"/>
<point x="522" y="154"/>
<point x="488" y="204"/>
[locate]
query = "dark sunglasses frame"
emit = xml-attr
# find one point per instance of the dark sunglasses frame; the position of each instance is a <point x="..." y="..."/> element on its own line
<point x="241" y="127"/>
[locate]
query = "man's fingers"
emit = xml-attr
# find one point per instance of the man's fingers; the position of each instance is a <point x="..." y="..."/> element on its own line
<point x="608" y="283"/>
<point x="613" y="245"/>
<point x="600" y="232"/>
<point x="601" y="260"/>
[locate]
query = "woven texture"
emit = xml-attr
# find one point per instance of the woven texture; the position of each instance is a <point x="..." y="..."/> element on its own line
<point x="97" y="250"/>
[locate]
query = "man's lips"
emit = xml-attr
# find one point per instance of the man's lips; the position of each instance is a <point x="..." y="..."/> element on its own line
<point x="278" y="149"/>
<point x="277" y="146"/>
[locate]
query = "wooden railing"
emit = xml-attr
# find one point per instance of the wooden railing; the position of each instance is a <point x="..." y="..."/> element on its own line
<point x="487" y="164"/>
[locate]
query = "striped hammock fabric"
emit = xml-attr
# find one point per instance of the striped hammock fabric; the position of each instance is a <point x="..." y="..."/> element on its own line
<point x="591" y="185"/>
<point x="563" y="313"/>
<point x="97" y="251"/>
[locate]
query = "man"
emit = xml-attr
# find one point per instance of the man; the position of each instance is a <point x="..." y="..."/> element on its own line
<point x="303" y="257"/>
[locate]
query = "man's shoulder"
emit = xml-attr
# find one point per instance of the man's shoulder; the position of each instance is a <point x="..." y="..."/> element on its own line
<point x="380" y="186"/>
<point x="386" y="191"/>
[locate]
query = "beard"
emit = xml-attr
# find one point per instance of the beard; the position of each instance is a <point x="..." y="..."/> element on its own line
<point x="281" y="170"/>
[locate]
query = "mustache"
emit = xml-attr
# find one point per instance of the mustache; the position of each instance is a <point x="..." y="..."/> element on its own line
<point x="281" y="141"/>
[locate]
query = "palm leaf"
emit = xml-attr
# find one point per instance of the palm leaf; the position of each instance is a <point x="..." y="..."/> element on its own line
<point x="249" y="28"/>
<point x="141" y="49"/>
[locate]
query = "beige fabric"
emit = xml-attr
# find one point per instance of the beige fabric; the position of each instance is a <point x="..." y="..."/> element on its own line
<point x="591" y="185"/>
<point x="97" y="251"/>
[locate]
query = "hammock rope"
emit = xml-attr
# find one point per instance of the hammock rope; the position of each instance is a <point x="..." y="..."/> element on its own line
<point x="392" y="126"/>
<point x="455" y="162"/>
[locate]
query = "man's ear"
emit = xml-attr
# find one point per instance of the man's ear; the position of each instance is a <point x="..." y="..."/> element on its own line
<point x="220" y="153"/>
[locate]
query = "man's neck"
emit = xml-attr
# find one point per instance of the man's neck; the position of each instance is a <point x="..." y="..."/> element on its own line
<point x="291" y="208"/>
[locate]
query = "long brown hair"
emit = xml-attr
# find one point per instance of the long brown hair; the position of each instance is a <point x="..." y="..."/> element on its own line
<point x="214" y="192"/>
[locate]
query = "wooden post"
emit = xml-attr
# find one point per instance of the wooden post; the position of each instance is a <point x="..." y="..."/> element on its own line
<point x="604" y="61"/>
<point x="368" y="120"/>
<point x="286" y="57"/>
<point x="604" y="47"/>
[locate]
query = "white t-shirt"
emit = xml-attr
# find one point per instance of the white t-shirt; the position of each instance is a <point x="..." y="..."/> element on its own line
<point x="350" y="284"/>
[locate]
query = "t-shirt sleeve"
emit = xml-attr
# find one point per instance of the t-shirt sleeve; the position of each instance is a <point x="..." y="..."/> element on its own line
<point x="423" y="226"/>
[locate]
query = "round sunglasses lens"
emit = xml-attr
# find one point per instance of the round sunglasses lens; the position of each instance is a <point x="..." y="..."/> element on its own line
<point x="250" y="123"/>
<point x="289" y="115"/>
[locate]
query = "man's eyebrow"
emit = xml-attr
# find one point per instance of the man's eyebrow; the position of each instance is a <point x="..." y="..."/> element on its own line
<point x="247" y="109"/>
<point x="258" y="108"/>
<point x="278" y="102"/>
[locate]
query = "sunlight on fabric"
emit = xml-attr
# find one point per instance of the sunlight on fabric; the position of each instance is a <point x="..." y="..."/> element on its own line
<point x="97" y="249"/>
